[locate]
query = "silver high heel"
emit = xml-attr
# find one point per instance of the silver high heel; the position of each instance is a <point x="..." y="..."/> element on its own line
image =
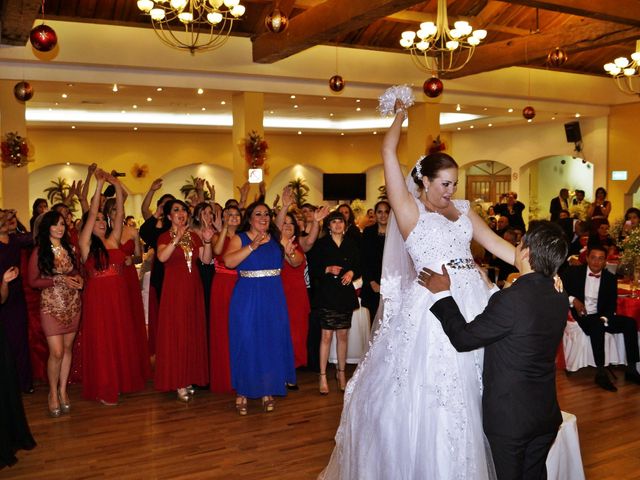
<point x="65" y="407"/>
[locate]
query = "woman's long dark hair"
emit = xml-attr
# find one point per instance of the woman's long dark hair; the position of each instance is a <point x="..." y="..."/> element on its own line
<point x="246" y="222"/>
<point x="43" y="241"/>
<point x="97" y="250"/>
<point x="166" y="211"/>
<point x="106" y="208"/>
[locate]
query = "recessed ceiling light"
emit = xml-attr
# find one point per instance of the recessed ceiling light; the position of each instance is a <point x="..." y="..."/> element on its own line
<point x="115" y="87"/>
<point x="553" y="118"/>
<point x="331" y="114"/>
<point x="203" y="109"/>
<point x="357" y="100"/>
<point x="299" y="132"/>
<point x="57" y="104"/>
<point x="223" y="102"/>
<point x="51" y="109"/>
<point x="149" y="99"/>
<point x="64" y="95"/>
<point x="271" y="112"/>
<point x="341" y="133"/>
<point x="134" y="106"/>
<point x="375" y="133"/>
<point x="485" y="109"/>
<point x="490" y="125"/>
<point x="159" y="89"/>
<point x="68" y="163"/>
<point x="69" y="84"/>
<point x="471" y="126"/>
<point x="324" y="98"/>
<point x="577" y="115"/>
<point x="200" y="91"/>
<point x="123" y="111"/>
<point x="358" y="109"/>
<point x="459" y="128"/>
<point x="292" y="96"/>
<point x="73" y="127"/>
<point x="135" y="129"/>
<point x="295" y="106"/>
<point x="529" y="120"/>
<point x="458" y="108"/>
<point x="510" y="110"/>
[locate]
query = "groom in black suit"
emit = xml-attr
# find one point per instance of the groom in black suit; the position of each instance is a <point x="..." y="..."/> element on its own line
<point x="520" y="329"/>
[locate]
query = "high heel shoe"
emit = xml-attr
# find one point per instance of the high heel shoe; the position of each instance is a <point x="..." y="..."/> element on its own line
<point x="64" y="406"/>
<point x="191" y="390"/>
<point x="53" y="412"/>
<point x="268" y="405"/>
<point x="183" y="395"/>
<point x="241" y="406"/>
<point x="342" y="382"/>
<point x="323" y="385"/>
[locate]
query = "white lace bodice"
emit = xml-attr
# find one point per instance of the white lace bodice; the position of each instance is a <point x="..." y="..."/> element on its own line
<point x="436" y="240"/>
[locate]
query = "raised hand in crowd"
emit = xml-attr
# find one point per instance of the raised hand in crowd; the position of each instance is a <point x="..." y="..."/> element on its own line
<point x="146" y="203"/>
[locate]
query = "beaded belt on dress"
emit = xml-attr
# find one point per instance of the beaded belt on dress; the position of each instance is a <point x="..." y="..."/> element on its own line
<point x="112" y="270"/>
<point x="461" y="263"/>
<point x="274" y="272"/>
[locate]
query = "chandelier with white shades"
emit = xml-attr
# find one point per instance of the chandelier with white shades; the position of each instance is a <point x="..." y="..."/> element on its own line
<point x="194" y="25"/>
<point x="436" y="49"/>
<point x="626" y="72"/>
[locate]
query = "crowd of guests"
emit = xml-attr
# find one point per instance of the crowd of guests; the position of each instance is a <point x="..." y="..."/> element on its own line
<point x="240" y="295"/>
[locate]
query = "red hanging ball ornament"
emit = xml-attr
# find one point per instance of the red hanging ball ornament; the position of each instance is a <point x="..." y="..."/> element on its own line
<point x="433" y="87"/>
<point x="528" y="112"/>
<point x="336" y="83"/>
<point x="276" y="21"/>
<point x="557" y="57"/>
<point x="43" y="38"/>
<point x="23" y="91"/>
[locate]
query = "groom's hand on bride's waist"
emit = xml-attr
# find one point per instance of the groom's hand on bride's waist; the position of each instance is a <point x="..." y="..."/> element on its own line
<point x="434" y="282"/>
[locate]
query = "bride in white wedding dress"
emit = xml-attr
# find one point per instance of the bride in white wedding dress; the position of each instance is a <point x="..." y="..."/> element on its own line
<point x="413" y="407"/>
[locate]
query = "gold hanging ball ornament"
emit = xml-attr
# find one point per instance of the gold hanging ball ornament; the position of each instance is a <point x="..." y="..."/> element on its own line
<point x="23" y="91"/>
<point x="336" y="83"/>
<point x="433" y="87"/>
<point x="557" y="57"/>
<point x="43" y="38"/>
<point x="276" y="21"/>
<point x="529" y="112"/>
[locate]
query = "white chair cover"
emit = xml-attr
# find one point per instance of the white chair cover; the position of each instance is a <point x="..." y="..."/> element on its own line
<point x="564" y="461"/>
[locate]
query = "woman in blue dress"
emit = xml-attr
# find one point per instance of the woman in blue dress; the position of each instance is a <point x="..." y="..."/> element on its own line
<point x="260" y="347"/>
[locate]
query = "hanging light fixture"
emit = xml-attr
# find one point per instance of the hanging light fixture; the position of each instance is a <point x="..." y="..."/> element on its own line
<point x="276" y="21"/>
<point x="194" y="25"/>
<point x="626" y="72"/>
<point x="438" y="49"/>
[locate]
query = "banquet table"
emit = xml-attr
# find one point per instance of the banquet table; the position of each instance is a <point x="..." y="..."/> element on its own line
<point x="564" y="461"/>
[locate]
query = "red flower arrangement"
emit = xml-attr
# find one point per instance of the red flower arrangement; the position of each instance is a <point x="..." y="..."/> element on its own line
<point x="437" y="146"/>
<point x="15" y="151"/>
<point x="255" y="149"/>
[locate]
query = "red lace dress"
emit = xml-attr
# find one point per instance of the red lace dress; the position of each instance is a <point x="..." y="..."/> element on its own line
<point x="224" y="280"/>
<point x="181" y="343"/>
<point x="295" y="291"/>
<point x="111" y="356"/>
<point x="135" y="300"/>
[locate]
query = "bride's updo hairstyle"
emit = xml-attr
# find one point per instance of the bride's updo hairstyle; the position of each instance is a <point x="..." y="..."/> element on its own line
<point x="429" y="166"/>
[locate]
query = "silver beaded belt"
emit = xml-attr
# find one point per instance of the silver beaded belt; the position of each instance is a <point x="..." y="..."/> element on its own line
<point x="274" y="272"/>
<point x="461" y="263"/>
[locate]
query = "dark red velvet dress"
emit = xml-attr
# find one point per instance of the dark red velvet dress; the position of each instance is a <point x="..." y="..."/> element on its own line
<point x="181" y="343"/>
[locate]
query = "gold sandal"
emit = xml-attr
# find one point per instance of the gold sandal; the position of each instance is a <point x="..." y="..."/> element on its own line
<point x="241" y="406"/>
<point x="268" y="405"/>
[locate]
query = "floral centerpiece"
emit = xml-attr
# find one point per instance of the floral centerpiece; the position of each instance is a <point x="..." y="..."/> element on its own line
<point x="15" y="151"/>
<point x="255" y="149"/>
<point x="630" y="255"/>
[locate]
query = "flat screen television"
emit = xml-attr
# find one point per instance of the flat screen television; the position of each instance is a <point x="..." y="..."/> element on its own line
<point x="344" y="186"/>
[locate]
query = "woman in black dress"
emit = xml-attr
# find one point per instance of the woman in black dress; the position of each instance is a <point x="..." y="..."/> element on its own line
<point x="372" y="249"/>
<point x="336" y="263"/>
<point x="14" y="430"/>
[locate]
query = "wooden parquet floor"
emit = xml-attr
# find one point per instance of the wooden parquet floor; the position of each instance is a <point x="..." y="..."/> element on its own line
<point x="150" y="435"/>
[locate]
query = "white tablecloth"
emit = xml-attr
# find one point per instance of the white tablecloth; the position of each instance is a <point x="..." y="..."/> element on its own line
<point x="564" y="461"/>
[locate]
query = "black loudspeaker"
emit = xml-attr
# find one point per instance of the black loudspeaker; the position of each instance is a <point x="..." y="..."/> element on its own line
<point x="572" y="130"/>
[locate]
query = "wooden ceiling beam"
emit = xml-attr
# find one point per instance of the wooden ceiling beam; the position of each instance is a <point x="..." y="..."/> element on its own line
<point x="17" y="20"/>
<point x="322" y="24"/>
<point x="534" y="48"/>
<point x="626" y="12"/>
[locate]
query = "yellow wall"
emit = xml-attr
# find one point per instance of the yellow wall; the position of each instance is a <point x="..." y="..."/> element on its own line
<point x="165" y="151"/>
<point x="622" y="153"/>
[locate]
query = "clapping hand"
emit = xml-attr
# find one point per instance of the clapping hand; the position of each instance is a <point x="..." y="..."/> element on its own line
<point x="207" y="234"/>
<point x="434" y="282"/>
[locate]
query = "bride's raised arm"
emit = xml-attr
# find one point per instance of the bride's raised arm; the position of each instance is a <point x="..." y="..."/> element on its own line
<point x="402" y="202"/>
<point x="490" y="240"/>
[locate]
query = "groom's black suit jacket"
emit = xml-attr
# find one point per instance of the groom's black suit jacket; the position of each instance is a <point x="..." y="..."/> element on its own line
<point x="520" y="329"/>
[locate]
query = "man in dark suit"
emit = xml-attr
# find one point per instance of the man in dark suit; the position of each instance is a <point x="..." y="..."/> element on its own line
<point x="558" y="204"/>
<point x="593" y="293"/>
<point x="520" y="330"/>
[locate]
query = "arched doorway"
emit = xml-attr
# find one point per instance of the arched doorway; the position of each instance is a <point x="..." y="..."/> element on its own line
<point x="486" y="181"/>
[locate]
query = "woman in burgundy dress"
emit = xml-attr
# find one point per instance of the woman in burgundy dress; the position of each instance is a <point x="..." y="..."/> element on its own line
<point x="112" y="361"/>
<point x="132" y="248"/>
<point x="53" y="269"/>
<point x="224" y="281"/>
<point x="181" y="344"/>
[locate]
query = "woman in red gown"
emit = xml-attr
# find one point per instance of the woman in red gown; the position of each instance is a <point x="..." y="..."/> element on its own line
<point x="295" y="291"/>
<point x="112" y="361"/>
<point x="181" y="343"/>
<point x="132" y="249"/>
<point x="224" y="281"/>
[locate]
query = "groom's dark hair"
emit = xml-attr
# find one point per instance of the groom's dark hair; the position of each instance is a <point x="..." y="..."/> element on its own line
<point x="547" y="246"/>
